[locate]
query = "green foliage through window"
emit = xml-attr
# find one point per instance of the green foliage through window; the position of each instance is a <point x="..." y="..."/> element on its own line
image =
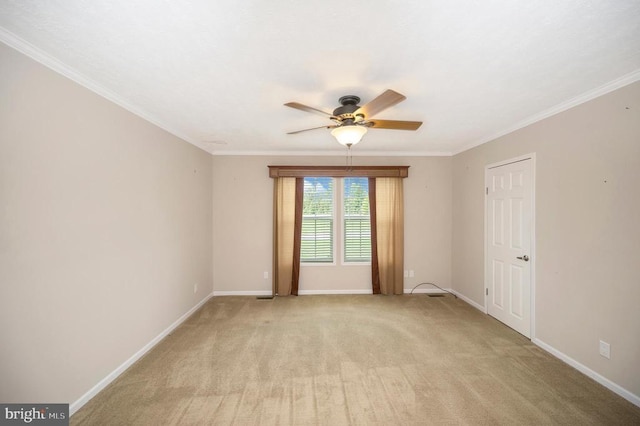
<point x="317" y="220"/>
<point x="357" y="225"/>
<point x="318" y="212"/>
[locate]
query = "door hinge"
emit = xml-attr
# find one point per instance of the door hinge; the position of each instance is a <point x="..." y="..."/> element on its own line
<point x="486" y="291"/>
<point x="487" y="190"/>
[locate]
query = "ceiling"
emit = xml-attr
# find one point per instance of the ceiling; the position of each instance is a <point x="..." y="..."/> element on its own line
<point x="217" y="73"/>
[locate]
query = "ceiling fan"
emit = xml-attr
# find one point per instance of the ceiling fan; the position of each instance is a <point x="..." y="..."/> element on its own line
<point x="352" y="120"/>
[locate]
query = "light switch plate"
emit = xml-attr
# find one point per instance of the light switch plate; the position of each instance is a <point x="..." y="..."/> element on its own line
<point x="605" y="349"/>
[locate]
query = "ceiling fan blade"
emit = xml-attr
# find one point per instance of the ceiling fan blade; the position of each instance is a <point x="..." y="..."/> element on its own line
<point x="306" y="108"/>
<point x="313" y="128"/>
<point x="388" y="99"/>
<point x="395" y="124"/>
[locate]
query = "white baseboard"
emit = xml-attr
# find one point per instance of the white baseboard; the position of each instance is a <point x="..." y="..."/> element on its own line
<point x="460" y="296"/>
<point x="425" y="290"/>
<point x="469" y="301"/>
<point x="243" y="293"/>
<point x="300" y="292"/>
<point x="75" y="406"/>
<point x="632" y="398"/>
<point x="316" y="292"/>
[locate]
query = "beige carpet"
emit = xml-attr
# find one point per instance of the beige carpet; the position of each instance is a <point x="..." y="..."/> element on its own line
<point x="351" y="360"/>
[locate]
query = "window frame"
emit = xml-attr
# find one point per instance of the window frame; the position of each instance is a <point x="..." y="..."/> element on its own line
<point x="338" y="224"/>
<point x="334" y="239"/>
<point x="343" y="240"/>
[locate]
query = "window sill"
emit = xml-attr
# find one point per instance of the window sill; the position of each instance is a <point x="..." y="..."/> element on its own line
<point x="320" y="264"/>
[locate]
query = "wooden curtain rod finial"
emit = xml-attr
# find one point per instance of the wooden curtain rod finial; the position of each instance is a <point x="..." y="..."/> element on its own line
<point x="339" y="171"/>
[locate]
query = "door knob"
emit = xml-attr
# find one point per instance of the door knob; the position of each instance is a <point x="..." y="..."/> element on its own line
<point x="525" y="258"/>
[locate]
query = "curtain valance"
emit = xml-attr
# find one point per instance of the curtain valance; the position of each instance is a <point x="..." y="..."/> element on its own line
<point x="339" y="171"/>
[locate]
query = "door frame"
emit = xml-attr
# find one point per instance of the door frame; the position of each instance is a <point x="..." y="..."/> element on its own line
<point x="532" y="298"/>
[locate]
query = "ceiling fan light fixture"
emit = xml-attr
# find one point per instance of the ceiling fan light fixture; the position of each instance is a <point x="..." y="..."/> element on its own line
<point x="349" y="135"/>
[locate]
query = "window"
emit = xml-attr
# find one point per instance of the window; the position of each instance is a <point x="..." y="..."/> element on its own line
<point x="356" y="222"/>
<point x="323" y="196"/>
<point x="316" y="245"/>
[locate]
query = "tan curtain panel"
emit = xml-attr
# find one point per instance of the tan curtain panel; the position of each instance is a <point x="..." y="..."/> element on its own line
<point x="389" y="204"/>
<point x="297" y="236"/>
<point x="375" y="270"/>
<point x="284" y="201"/>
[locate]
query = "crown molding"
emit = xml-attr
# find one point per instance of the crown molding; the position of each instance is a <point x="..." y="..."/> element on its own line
<point x="59" y="67"/>
<point x="618" y="83"/>
<point x="333" y="153"/>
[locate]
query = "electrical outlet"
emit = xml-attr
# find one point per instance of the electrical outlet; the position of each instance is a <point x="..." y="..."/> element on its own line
<point x="605" y="349"/>
<point x="406" y="274"/>
<point x="195" y="288"/>
<point x="266" y="275"/>
<point x="411" y="274"/>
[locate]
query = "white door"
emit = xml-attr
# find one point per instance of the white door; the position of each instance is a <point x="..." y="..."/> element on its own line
<point x="509" y="240"/>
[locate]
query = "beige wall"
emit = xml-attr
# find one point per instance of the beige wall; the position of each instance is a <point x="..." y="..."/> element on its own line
<point x="587" y="225"/>
<point x="243" y="194"/>
<point x="105" y="227"/>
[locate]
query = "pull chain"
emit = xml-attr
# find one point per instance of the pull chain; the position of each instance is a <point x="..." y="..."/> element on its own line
<point x="349" y="158"/>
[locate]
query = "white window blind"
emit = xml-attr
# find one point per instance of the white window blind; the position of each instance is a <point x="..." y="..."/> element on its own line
<point x="316" y="245"/>
<point x="356" y="221"/>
